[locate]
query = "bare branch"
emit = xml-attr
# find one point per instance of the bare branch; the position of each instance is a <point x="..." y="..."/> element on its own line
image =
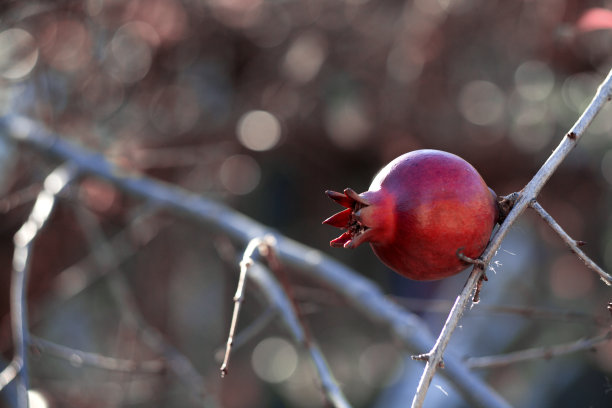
<point x="545" y="353"/>
<point x="530" y="192"/>
<point x="24" y="239"/>
<point x="79" y="357"/>
<point x="246" y="262"/>
<point x="573" y="244"/>
<point x="359" y="292"/>
<point x="261" y="322"/>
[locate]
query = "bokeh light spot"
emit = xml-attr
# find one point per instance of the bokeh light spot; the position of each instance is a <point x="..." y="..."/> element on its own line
<point x="274" y="360"/>
<point x="18" y="53"/>
<point x="481" y="103"/>
<point x="239" y="174"/>
<point x="532" y="128"/>
<point x="130" y="54"/>
<point x="380" y="365"/>
<point x="259" y="130"/>
<point x="66" y="44"/>
<point x="534" y="80"/>
<point x="347" y="124"/>
<point x="305" y="57"/>
<point x="578" y="90"/>
<point x="36" y="399"/>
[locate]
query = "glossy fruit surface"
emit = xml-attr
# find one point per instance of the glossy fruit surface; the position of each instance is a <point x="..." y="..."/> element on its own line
<point x="420" y="211"/>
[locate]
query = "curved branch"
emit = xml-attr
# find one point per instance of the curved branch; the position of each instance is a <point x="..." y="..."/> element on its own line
<point x="24" y="239"/>
<point x="530" y="192"/>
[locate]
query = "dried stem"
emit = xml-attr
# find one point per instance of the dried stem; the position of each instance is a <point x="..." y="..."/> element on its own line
<point x="573" y="244"/>
<point x="24" y="239"/>
<point x="545" y="353"/>
<point x="246" y="262"/>
<point x="530" y="192"/>
<point x="257" y="326"/>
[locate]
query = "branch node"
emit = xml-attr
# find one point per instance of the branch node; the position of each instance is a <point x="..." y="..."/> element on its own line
<point x="425" y="357"/>
<point x="571" y="135"/>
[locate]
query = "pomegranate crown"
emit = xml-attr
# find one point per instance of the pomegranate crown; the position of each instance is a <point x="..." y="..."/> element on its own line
<point x="353" y="219"/>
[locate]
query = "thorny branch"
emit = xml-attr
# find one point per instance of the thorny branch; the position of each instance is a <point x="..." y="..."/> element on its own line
<point x="359" y="292"/>
<point x="529" y="193"/>
<point x="573" y="244"/>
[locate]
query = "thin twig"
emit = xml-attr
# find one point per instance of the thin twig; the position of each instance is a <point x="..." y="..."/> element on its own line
<point x="257" y="326"/>
<point x="537" y="353"/>
<point x="246" y="261"/>
<point x="358" y="291"/>
<point x="573" y="244"/>
<point x="24" y="239"/>
<point x="531" y="190"/>
<point x="80" y="357"/>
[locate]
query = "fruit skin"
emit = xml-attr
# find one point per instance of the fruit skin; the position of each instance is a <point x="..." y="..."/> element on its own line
<point x="420" y="211"/>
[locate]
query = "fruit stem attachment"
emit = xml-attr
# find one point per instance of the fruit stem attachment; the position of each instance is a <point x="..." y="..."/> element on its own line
<point x="478" y="262"/>
<point x="505" y="205"/>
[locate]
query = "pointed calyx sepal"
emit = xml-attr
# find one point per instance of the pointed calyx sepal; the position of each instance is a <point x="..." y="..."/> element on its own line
<point x="349" y="219"/>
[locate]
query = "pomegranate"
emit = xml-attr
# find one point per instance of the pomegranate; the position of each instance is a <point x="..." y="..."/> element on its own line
<point x="422" y="211"/>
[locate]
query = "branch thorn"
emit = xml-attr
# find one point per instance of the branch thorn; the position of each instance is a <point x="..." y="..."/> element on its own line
<point x="425" y="357"/>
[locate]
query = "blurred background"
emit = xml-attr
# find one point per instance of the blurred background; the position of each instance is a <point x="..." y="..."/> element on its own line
<point x="263" y="105"/>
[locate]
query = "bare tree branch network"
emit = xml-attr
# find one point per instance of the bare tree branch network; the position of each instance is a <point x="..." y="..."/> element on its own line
<point x="526" y="197"/>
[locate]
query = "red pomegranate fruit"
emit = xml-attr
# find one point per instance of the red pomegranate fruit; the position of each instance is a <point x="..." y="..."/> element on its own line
<point x="421" y="211"/>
